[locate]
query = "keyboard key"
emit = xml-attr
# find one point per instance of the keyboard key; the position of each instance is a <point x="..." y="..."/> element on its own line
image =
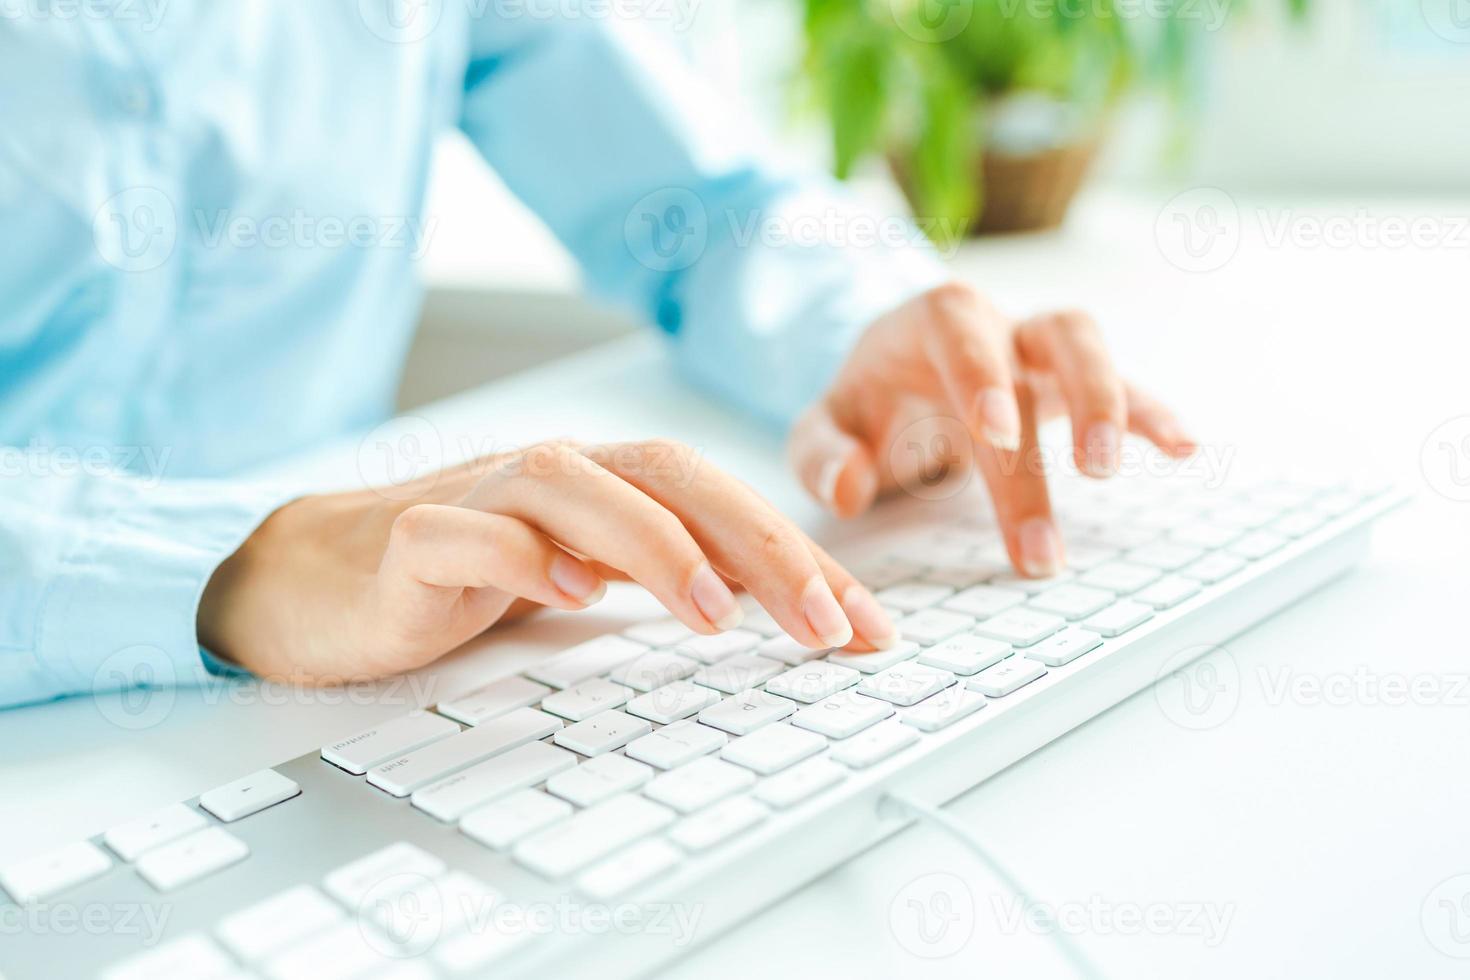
<point x="338" y="953"/>
<point x="738" y="673"/>
<point x="1120" y="576"/>
<point x="432" y="908"/>
<point x="887" y="572"/>
<point x="191" y="858"/>
<point x="432" y="763"/>
<point x="743" y="713"/>
<point x="842" y="715"/>
<point x="705" y="829"/>
<point x="913" y="596"/>
<point x="672" y="702"/>
<point x="871" y="663"/>
<point x="1212" y="568"/>
<point x="48" y="873"/>
<point x="812" y="682"/>
<point x="962" y="576"/>
<point x="500" y="698"/>
<point x="873" y="745"/>
<point x="248" y="795"/>
<point x="773" y="748"/>
<point x="799" y="783"/>
<point x="191" y="957"/>
<point x="1257" y="545"/>
<point x="591" y="834"/>
<point x="713" y="649"/>
<point x="664" y="632"/>
<point x="1012" y="582"/>
<point x="1121" y="536"/>
<point x="628" y="869"/>
<point x="1062" y="648"/>
<point x="1119" y="618"/>
<point x="398" y="736"/>
<point x="602" y="733"/>
<point x="654" y="670"/>
<point x="1021" y="627"/>
<point x="1199" y="534"/>
<point x="789" y="652"/>
<point x="984" y="601"/>
<point x="933" y="625"/>
<point x="507" y="820"/>
<point x="698" y="784"/>
<point x="1167" y="592"/>
<point x="943" y="709"/>
<point x="673" y="745"/>
<point x="1245" y="516"/>
<point x="1072" y="601"/>
<point x="267" y="926"/>
<point x="1164" y="555"/>
<point x="597" y="779"/>
<point x="586" y="699"/>
<point x="965" y="654"/>
<point x="906" y="683"/>
<point x="1006" y="677"/>
<point x="131" y="839"/>
<point x="1082" y="556"/>
<point x="521" y="767"/>
<point x="757" y="620"/>
<point x="1298" y="523"/>
<point x="354" y="881"/>
<point x="590" y="659"/>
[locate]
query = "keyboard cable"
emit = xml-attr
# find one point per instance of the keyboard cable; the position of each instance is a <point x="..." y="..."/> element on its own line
<point x="896" y="805"/>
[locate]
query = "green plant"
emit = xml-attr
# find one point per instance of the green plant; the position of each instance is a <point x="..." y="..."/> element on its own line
<point x="914" y="77"/>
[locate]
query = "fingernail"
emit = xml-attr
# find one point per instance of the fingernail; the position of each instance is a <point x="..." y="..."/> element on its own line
<point x="715" y="600"/>
<point x="1041" y="548"/>
<point x="824" y="615"/>
<point x="1000" y="420"/>
<point x="827" y="481"/>
<point x="1102" y="449"/>
<point x="576" y="581"/>
<point x="868" y="618"/>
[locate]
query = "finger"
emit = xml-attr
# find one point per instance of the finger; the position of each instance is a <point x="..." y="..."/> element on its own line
<point x="439" y="550"/>
<point x="743" y="535"/>
<point x="1150" y="418"/>
<point x="967" y="343"/>
<point x="832" y="463"/>
<point x="1017" y="483"/>
<point x="872" y="629"/>
<point x="1069" y="345"/>
<point x="588" y="510"/>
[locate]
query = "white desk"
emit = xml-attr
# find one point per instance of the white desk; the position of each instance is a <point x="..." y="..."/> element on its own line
<point x="1319" y="828"/>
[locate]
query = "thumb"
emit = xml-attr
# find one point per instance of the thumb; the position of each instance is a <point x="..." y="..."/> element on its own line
<point x="833" y="464"/>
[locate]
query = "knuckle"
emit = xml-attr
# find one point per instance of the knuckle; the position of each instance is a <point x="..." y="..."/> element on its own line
<point x="1073" y="324"/>
<point x="411" y="524"/>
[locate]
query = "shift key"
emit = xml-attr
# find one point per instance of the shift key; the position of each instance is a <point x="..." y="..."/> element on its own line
<point x="403" y="775"/>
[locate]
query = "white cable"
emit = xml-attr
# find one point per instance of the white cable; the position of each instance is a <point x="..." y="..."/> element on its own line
<point x="936" y="816"/>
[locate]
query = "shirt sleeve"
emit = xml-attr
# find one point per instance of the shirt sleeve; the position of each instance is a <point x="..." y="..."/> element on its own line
<point x="677" y="207"/>
<point x="101" y="574"/>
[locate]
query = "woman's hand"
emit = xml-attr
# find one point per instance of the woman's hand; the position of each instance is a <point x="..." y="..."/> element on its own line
<point x="356" y="585"/>
<point x="949" y="354"/>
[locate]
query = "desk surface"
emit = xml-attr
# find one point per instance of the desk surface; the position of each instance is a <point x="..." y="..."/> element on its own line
<point x="1304" y="836"/>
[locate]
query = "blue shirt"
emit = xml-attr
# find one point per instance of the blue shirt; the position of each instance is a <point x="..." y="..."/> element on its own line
<point x="209" y="217"/>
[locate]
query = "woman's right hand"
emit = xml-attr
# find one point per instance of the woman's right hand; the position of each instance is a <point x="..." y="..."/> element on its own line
<point x="356" y="585"/>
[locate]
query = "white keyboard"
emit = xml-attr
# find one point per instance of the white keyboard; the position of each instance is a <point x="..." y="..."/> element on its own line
<point x="661" y="770"/>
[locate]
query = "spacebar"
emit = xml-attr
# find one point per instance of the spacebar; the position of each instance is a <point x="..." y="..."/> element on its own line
<point x="407" y="773"/>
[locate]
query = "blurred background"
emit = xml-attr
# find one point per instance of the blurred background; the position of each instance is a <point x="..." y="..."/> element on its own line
<point x="1007" y="124"/>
